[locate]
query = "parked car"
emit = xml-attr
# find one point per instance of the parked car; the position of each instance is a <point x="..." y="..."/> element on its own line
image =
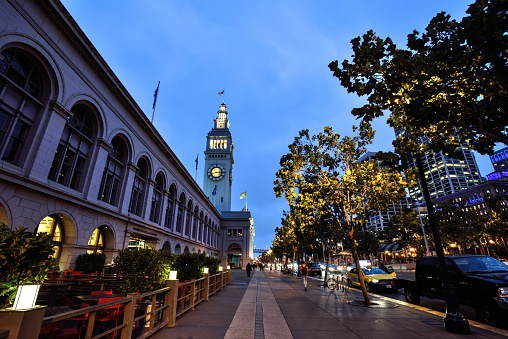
<point x="314" y="269"/>
<point x="374" y="278"/>
<point x="333" y="268"/>
<point x="480" y="281"/>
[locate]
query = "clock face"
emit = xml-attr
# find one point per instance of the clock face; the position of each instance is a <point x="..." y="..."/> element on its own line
<point x="216" y="172"/>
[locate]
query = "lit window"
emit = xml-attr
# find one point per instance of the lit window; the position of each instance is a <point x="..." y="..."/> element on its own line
<point x="53" y="225"/>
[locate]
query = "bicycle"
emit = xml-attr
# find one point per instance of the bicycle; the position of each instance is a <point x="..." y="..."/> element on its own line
<point x="338" y="282"/>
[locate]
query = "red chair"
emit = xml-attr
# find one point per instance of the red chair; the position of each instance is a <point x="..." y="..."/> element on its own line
<point x="109" y="314"/>
<point x="76" y="273"/>
<point x="182" y="293"/>
<point x="67" y="273"/>
<point x="78" y="325"/>
<point x="47" y="330"/>
<point x="101" y="292"/>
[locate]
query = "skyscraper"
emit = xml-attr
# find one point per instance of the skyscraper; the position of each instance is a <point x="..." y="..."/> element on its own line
<point x="446" y="175"/>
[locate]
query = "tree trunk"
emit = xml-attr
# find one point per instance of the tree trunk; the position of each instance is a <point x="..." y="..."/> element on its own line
<point x="358" y="268"/>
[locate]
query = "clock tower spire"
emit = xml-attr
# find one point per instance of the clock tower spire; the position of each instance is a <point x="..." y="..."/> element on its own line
<point x="219" y="162"/>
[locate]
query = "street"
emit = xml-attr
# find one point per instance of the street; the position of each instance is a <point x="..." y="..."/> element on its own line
<point x="433" y="304"/>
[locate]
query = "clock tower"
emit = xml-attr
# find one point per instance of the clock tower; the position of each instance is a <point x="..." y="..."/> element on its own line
<point x="219" y="162"/>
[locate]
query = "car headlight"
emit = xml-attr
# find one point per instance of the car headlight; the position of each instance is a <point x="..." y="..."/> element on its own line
<point x="375" y="281"/>
<point x="502" y="292"/>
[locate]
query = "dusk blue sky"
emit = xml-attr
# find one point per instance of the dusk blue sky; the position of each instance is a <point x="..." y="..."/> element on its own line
<point x="270" y="57"/>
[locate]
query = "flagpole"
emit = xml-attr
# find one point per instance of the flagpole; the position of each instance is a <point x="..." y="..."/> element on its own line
<point x="196" y="176"/>
<point x="155" y="100"/>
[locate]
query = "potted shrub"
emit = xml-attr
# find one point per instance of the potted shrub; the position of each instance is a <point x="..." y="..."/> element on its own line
<point x="143" y="270"/>
<point x="189" y="266"/>
<point x="212" y="264"/>
<point x="24" y="259"/>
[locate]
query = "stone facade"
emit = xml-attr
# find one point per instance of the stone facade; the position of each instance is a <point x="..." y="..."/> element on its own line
<point x="77" y="151"/>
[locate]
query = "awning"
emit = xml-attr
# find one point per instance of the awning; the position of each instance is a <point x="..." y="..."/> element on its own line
<point x="390" y="247"/>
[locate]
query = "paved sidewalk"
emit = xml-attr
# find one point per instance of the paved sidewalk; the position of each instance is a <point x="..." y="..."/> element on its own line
<point x="274" y="305"/>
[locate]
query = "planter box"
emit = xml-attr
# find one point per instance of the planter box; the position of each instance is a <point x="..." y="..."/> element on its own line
<point x="22" y="323"/>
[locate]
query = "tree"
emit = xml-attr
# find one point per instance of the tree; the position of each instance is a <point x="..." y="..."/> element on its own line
<point x="450" y="85"/>
<point x="267" y="257"/>
<point x="321" y="176"/>
<point x="448" y="88"/>
<point x="404" y="227"/>
<point x="460" y="226"/>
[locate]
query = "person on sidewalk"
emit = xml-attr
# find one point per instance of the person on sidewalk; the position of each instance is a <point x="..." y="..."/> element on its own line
<point x="248" y="269"/>
<point x="304" y="271"/>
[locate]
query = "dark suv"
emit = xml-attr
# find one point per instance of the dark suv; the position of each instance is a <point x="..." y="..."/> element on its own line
<point x="314" y="269"/>
<point x="480" y="281"/>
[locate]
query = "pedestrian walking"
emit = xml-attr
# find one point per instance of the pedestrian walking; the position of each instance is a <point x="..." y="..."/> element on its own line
<point x="304" y="271"/>
<point x="248" y="268"/>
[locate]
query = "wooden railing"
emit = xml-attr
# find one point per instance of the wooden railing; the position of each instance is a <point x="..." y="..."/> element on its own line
<point x="144" y="314"/>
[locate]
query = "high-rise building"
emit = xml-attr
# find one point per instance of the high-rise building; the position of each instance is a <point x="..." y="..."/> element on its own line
<point x="446" y="175"/>
<point x="500" y="160"/>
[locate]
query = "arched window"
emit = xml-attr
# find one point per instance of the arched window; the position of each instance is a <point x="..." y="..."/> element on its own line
<point x="73" y="149"/>
<point x="234" y="247"/>
<point x="188" y="219"/>
<point x="18" y="67"/>
<point x="54" y="226"/>
<point x="195" y="222"/>
<point x="167" y="246"/>
<point x="26" y="72"/>
<point x="113" y="172"/>
<point x="179" y="217"/>
<point x="138" y="188"/>
<point x="97" y="242"/>
<point x="202" y="235"/>
<point x="170" y="208"/>
<point x="178" y="249"/>
<point x="200" y="226"/>
<point x="157" y="198"/>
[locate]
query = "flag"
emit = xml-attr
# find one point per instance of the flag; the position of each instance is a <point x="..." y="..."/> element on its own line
<point x="155" y="95"/>
<point x="214" y="192"/>
<point x="220" y="93"/>
<point x="243" y="195"/>
<point x="197" y="156"/>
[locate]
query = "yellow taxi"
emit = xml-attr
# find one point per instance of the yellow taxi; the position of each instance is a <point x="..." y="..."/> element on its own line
<point x="375" y="278"/>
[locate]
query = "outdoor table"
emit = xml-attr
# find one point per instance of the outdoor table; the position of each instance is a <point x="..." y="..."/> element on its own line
<point x="55" y="310"/>
<point x="95" y="298"/>
<point x="53" y="288"/>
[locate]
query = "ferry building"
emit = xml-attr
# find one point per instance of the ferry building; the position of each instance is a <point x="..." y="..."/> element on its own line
<point x="80" y="160"/>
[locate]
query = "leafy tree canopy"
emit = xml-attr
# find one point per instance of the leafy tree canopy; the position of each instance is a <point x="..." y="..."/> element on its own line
<point x="449" y="85"/>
